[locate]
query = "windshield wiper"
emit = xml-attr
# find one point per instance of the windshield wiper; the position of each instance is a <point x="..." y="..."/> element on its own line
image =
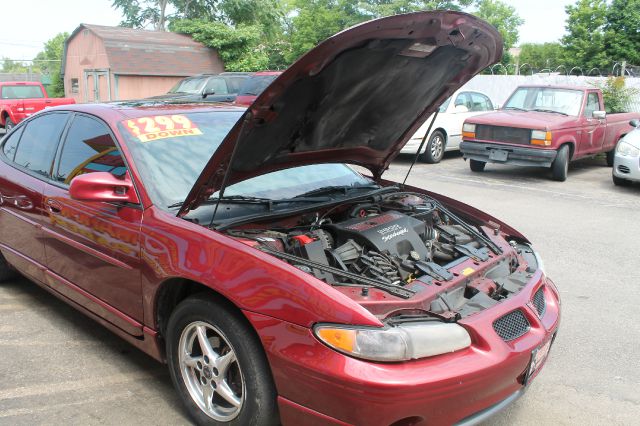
<point x="243" y="199"/>
<point x="335" y="188"/>
<point x="516" y="108"/>
<point x="549" y="110"/>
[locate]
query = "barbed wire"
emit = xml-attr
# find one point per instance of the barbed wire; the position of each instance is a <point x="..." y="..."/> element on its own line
<point x="618" y="69"/>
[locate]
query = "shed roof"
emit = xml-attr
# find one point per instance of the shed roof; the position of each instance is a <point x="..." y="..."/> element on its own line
<point x="145" y="52"/>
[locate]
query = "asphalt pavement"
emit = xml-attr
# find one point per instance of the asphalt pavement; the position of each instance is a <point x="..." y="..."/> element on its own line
<point x="58" y="367"/>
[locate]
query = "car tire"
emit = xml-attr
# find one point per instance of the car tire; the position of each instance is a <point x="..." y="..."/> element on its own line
<point x="232" y="373"/>
<point x="435" y="148"/>
<point x="6" y="271"/>
<point x="8" y="125"/>
<point x="619" y="181"/>
<point x="610" y="155"/>
<point x="476" y="166"/>
<point x="560" y="166"/>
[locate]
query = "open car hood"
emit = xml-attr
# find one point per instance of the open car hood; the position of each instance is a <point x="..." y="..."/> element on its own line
<point x="356" y="98"/>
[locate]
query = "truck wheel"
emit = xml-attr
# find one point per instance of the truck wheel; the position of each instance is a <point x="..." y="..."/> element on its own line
<point x="435" y="148"/>
<point x="477" y="166"/>
<point x="610" y="155"/>
<point x="560" y="166"/>
<point x="8" y="125"/>
<point x="619" y="181"/>
<point x="218" y="365"/>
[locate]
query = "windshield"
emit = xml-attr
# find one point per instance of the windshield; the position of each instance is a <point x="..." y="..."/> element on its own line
<point x="22" y="92"/>
<point x="444" y="105"/>
<point x="563" y="101"/>
<point x="189" y="85"/>
<point x="255" y="85"/>
<point x="170" y="152"/>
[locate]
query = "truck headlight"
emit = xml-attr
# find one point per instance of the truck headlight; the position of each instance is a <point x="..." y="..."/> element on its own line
<point x="540" y="137"/>
<point x="401" y="343"/>
<point x="469" y="130"/>
<point x="627" y="149"/>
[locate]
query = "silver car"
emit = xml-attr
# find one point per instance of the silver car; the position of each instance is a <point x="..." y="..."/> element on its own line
<point x="626" y="162"/>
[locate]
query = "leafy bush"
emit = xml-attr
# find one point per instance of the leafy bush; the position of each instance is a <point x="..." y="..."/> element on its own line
<point x="617" y="97"/>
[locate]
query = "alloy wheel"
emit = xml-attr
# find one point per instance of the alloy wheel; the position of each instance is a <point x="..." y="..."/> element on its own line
<point x="211" y="372"/>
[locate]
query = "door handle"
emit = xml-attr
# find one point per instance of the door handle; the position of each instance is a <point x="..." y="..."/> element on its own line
<point x="53" y="206"/>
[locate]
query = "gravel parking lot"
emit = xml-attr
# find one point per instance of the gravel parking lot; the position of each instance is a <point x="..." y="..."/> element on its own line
<point x="57" y="367"/>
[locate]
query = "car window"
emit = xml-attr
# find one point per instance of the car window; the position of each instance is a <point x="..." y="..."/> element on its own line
<point x="463" y="100"/>
<point x="593" y="104"/>
<point x="10" y="145"/>
<point x="444" y="105"/>
<point x="234" y="83"/>
<point x="88" y="147"/>
<point x="22" y="92"/>
<point x="480" y="102"/>
<point x="39" y="142"/>
<point x="256" y="84"/>
<point x="216" y="85"/>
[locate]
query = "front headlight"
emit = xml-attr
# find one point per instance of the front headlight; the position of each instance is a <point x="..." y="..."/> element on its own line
<point x="401" y="343"/>
<point x="468" y="130"/>
<point x="540" y="137"/>
<point x="627" y="149"/>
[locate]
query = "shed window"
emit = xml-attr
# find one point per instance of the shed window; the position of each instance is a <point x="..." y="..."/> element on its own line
<point x="74" y="85"/>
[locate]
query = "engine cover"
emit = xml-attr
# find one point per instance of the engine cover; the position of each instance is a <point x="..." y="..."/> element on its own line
<point x="391" y="231"/>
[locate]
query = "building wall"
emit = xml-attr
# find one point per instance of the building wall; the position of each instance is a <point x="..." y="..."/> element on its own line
<point x="84" y="51"/>
<point x="141" y="86"/>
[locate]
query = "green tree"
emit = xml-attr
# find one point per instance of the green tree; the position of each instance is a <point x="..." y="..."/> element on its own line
<point x="9" y="66"/>
<point x="541" y="56"/>
<point x="622" y="31"/>
<point x="584" y="42"/>
<point x="503" y="17"/>
<point x="49" y="61"/>
<point x="141" y="13"/>
<point x="240" y="48"/>
<point x="617" y="97"/>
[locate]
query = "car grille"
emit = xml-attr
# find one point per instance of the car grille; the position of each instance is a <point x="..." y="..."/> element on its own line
<point x="511" y="326"/>
<point x="623" y="169"/>
<point x="503" y="134"/>
<point x="539" y="302"/>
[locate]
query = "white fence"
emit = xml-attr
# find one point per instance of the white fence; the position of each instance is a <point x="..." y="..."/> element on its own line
<point x="499" y="87"/>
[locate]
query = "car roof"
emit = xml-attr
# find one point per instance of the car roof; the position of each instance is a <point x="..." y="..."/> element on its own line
<point x="267" y="73"/>
<point x="118" y="111"/>
<point x="20" y="83"/>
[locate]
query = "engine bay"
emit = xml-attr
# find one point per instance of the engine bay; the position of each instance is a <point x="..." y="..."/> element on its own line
<point x="403" y="244"/>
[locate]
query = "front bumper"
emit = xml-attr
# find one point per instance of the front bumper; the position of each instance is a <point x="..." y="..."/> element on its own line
<point x="626" y="167"/>
<point x="318" y="385"/>
<point x="520" y="156"/>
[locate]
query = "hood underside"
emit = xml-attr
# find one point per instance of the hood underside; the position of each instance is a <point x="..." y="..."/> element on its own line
<point x="356" y="98"/>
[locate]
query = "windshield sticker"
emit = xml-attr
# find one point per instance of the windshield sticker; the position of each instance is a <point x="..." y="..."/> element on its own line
<point x="161" y="127"/>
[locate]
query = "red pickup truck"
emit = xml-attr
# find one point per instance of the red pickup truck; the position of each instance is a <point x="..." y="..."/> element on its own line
<point x="545" y="126"/>
<point x="21" y="99"/>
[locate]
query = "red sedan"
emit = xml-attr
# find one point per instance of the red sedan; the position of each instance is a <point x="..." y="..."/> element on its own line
<point x="277" y="283"/>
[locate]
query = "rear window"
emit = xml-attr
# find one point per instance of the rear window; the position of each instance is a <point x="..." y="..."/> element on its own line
<point x="256" y="84"/>
<point x="21" y="92"/>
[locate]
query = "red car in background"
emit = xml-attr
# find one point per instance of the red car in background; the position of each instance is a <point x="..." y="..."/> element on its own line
<point x="277" y="283"/>
<point x="22" y="99"/>
<point x="254" y="85"/>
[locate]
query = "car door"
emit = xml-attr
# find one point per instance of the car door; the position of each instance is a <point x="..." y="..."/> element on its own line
<point x="93" y="248"/>
<point x="27" y="157"/>
<point x="593" y="129"/>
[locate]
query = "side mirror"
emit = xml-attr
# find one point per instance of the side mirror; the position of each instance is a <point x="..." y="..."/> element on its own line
<point x="103" y="186"/>
<point x="599" y="115"/>
<point x="208" y="92"/>
<point x="460" y="109"/>
<point x="634" y="123"/>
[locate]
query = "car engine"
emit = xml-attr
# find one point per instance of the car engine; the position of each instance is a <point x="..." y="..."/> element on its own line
<point x="386" y="244"/>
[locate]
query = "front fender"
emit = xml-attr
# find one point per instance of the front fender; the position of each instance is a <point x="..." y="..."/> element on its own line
<point x="251" y="279"/>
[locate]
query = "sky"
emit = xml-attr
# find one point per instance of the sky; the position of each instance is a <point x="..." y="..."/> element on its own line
<point x="27" y="24"/>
